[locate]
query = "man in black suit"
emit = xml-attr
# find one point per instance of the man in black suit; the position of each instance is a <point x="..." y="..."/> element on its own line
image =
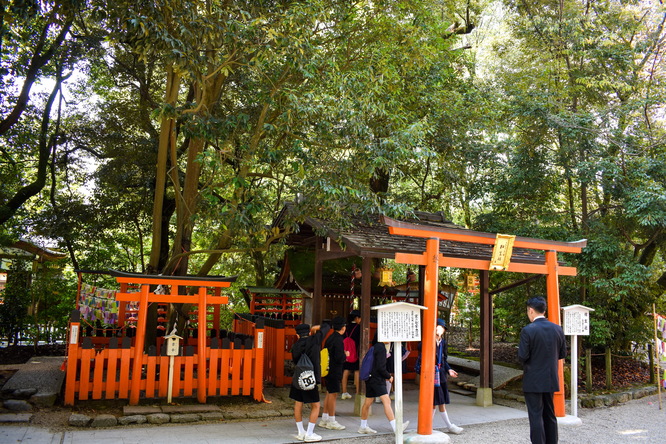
<point x="542" y="345"/>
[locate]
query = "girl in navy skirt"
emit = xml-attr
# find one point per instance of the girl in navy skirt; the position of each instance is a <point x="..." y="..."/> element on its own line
<point x="441" y="396"/>
<point x="375" y="387"/>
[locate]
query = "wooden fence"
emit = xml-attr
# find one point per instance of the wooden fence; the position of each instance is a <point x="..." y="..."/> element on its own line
<point x="232" y="368"/>
<point x="278" y="340"/>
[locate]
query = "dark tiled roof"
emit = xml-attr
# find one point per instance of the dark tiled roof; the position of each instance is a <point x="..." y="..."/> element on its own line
<point x="369" y="237"/>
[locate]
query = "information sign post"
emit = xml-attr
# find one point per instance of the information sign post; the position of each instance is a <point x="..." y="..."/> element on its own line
<point x="398" y="322"/>
<point x="576" y="322"/>
<point x="172" y="349"/>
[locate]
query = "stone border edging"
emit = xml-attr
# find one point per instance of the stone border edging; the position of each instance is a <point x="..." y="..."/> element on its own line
<point x="106" y="420"/>
<point x="586" y="401"/>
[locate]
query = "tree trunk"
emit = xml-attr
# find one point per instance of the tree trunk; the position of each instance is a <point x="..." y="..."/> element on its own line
<point x="167" y="138"/>
<point x="609" y="369"/>
<point x="588" y="370"/>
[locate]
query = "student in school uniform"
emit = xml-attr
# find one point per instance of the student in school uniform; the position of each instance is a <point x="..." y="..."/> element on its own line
<point x="376" y="387"/>
<point x="309" y="342"/>
<point x="351" y="368"/>
<point x="441" y="395"/>
<point x="336" y="360"/>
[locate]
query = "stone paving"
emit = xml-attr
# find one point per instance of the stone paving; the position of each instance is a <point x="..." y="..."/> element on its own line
<point x="162" y="424"/>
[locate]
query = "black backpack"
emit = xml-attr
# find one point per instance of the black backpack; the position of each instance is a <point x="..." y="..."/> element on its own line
<point x="304" y="375"/>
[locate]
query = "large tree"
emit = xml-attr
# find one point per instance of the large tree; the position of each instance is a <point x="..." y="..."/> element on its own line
<point x="36" y="47"/>
<point x="267" y="100"/>
<point x="584" y="100"/>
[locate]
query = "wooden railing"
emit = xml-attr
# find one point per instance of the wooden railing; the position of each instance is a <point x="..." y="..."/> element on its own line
<point x="232" y="368"/>
<point x="278" y="341"/>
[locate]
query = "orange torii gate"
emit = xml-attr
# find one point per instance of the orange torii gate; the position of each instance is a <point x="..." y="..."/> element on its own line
<point x="129" y="363"/>
<point x="432" y="260"/>
<point x="201" y="299"/>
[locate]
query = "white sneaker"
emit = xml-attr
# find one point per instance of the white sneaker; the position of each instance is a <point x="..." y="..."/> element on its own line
<point x="334" y="425"/>
<point x="366" y="431"/>
<point x="345" y="395"/>
<point x="312" y="438"/>
<point x="454" y="429"/>
<point x="300" y="436"/>
<point x="323" y="424"/>
<point x="405" y="425"/>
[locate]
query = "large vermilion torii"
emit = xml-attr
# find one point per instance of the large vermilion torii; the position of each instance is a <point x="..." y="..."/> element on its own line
<point x="431" y="259"/>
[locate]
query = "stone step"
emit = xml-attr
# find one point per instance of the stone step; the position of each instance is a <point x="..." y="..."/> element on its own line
<point x="130" y="410"/>
<point x="461" y="391"/>
<point x="15" y="417"/>
<point x="39" y="381"/>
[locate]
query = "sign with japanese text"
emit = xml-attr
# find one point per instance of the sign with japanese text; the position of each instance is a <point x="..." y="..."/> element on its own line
<point x="502" y="252"/>
<point x="398" y="322"/>
<point x="577" y="320"/>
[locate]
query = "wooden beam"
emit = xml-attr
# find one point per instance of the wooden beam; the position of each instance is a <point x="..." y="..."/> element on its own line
<point x="480" y="264"/>
<point x="317" y="296"/>
<point x="167" y="281"/>
<point x="477" y="237"/>
<point x="486" y="358"/>
<point x="183" y="298"/>
<point x="366" y="303"/>
<point x="427" y="384"/>
<point x="516" y="284"/>
<point x="553" y="315"/>
<point x="139" y="342"/>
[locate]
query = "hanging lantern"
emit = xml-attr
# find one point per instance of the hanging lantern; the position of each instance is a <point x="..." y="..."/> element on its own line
<point x="385" y="277"/>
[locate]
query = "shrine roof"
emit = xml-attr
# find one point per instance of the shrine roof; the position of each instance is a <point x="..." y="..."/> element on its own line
<point x="368" y="236"/>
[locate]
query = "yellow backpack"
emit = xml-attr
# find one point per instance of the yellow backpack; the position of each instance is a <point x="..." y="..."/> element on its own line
<point x="323" y="359"/>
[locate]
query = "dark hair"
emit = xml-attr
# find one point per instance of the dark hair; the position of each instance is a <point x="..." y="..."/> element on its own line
<point x="538" y="303"/>
<point x="337" y="323"/>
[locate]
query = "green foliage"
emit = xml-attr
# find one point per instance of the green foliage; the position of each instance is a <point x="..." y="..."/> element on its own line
<point x="16" y="299"/>
<point x="548" y="124"/>
<point x="53" y="297"/>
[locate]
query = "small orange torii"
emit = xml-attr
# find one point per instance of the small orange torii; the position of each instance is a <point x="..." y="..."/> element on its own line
<point x="432" y="259"/>
<point x="110" y="372"/>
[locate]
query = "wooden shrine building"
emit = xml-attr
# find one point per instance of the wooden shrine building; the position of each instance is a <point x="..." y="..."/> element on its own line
<point x="428" y="241"/>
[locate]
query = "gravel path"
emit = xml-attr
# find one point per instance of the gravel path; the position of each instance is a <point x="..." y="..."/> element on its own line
<point x="639" y="420"/>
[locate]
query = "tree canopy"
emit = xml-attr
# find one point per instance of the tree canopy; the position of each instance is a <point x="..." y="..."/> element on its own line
<point x="165" y="136"/>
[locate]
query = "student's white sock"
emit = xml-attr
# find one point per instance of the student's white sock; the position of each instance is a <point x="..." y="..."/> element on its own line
<point x="325" y="417"/>
<point x="331" y="418"/>
<point x="364" y="423"/>
<point x="393" y="425"/>
<point x="445" y="417"/>
<point x="310" y="428"/>
<point x="299" y="426"/>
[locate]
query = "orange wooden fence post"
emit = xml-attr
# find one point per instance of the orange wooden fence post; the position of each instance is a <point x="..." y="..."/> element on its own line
<point x="213" y="367"/>
<point x="125" y="357"/>
<point x="135" y="385"/>
<point x="258" y="388"/>
<point x="236" y="358"/>
<point x="225" y="355"/>
<point x="72" y="357"/>
<point x="87" y="353"/>
<point x="279" y="345"/>
<point x="111" y="379"/>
